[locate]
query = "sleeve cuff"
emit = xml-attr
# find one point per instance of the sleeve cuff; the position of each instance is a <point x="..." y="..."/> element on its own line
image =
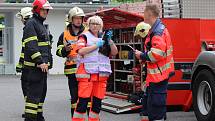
<point x="64" y="52"/>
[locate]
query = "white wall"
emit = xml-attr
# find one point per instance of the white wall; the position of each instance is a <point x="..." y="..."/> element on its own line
<point x="56" y="27"/>
<point x="18" y="26"/>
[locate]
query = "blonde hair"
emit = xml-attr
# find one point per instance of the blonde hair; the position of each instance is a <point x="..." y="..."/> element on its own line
<point x="153" y="8"/>
<point x="95" y="19"/>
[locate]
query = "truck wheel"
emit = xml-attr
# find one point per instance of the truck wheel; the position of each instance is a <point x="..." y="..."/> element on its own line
<point x="204" y="96"/>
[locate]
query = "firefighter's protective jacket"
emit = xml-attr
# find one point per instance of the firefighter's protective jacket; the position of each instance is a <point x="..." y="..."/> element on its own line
<point x="158" y="54"/>
<point x="37" y="43"/>
<point x="66" y="38"/>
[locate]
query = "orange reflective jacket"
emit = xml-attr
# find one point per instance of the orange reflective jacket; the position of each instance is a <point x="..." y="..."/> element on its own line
<point x="159" y="57"/>
<point x="72" y="41"/>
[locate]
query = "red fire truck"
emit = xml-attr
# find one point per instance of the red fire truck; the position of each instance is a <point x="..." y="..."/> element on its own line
<point x="189" y="38"/>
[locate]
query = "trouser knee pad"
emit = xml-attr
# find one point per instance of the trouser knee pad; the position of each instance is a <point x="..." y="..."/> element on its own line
<point x="82" y="105"/>
<point x="96" y="105"/>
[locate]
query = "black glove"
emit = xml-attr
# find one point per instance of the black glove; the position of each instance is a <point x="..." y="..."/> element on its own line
<point x="105" y="49"/>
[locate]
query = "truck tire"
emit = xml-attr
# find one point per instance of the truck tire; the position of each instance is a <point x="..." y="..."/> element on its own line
<point x="204" y="96"/>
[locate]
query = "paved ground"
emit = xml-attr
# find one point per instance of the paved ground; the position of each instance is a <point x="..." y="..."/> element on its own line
<point x="57" y="103"/>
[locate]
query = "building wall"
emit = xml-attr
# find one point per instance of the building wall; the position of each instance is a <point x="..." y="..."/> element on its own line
<point x="56" y="25"/>
<point x="198" y="9"/>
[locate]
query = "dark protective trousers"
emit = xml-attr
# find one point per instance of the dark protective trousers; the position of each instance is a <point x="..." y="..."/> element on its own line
<point x="154" y="102"/>
<point x="37" y="88"/>
<point x="24" y="82"/>
<point x="73" y="89"/>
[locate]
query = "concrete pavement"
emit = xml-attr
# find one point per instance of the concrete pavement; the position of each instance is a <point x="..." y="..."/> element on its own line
<point x="57" y="106"/>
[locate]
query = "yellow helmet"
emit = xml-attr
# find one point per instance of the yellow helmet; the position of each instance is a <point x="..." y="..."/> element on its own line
<point x="142" y="29"/>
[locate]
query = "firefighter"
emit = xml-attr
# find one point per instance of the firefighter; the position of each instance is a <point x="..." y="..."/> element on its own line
<point x="24" y="14"/>
<point x="158" y="56"/>
<point x="37" y="60"/>
<point x="93" y="70"/>
<point x="66" y="48"/>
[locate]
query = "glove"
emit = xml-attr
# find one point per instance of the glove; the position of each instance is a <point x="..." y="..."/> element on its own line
<point x="100" y="43"/>
<point x="19" y="68"/>
<point x="107" y="37"/>
<point x="109" y="34"/>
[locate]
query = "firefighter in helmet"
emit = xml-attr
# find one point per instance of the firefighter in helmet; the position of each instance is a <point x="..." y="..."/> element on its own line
<point x="158" y="57"/>
<point x="67" y="48"/>
<point x="24" y="14"/>
<point x="93" y="70"/>
<point x="37" y="60"/>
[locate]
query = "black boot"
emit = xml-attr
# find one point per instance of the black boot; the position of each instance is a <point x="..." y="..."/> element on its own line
<point x="23" y="115"/>
<point x="40" y="117"/>
<point x="30" y="119"/>
<point x="72" y="112"/>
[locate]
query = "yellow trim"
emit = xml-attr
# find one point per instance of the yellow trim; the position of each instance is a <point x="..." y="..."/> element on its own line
<point x="35" y="55"/>
<point x="43" y="43"/>
<point x="25" y="98"/>
<point x="30" y="39"/>
<point x="19" y="65"/>
<point x="30" y="111"/>
<point x="39" y="110"/>
<point x="59" y="49"/>
<point x="89" y="104"/>
<point x="60" y="46"/>
<point x="31" y="105"/>
<point x="40" y="104"/>
<point x="73" y="106"/>
<point x="29" y="63"/>
<point x="70" y="71"/>
<point x="22" y="55"/>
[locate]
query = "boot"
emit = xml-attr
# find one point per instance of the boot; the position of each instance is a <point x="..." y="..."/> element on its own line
<point x="30" y="119"/>
<point x="23" y="115"/>
<point x="72" y="112"/>
<point x="94" y="119"/>
<point x="79" y="116"/>
<point x="40" y="117"/>
<point x="144" y="118"/>
<point x="93" y="116"/>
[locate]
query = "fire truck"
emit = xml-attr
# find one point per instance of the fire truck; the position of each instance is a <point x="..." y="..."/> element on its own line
<point x="203" y="85"/>
<point x="189" y="37"/>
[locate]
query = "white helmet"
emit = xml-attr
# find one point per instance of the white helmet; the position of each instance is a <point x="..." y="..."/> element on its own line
<point x="75" y="11"/>
<point x="66" y="20"/>
<point x="25" y="13"/>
